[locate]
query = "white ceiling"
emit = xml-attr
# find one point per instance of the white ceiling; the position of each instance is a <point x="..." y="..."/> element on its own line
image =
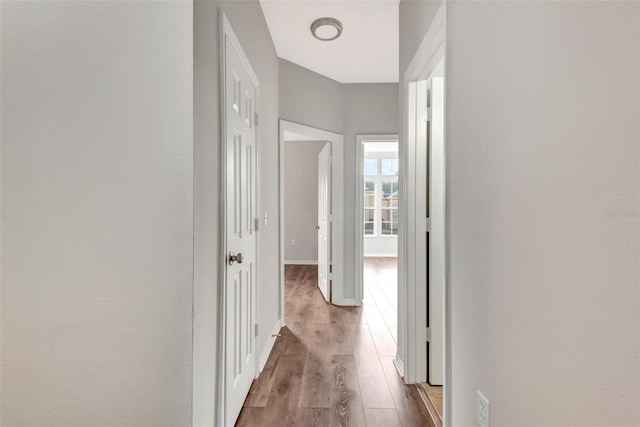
<point x="366" y="52"/>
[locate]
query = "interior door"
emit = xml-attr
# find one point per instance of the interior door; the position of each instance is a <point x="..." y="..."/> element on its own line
<point x="435" y="236"/>
<point x="324" y="238"/>
<point x="240" y="284"/>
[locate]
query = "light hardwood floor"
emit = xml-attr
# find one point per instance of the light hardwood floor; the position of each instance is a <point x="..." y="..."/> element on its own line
<point x="434" y="394"/>
<point x="332" y="366"/>
<point x="381" y="289"/>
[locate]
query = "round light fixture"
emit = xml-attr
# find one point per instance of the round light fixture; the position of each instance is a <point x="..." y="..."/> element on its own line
<point x="326" y="29"/>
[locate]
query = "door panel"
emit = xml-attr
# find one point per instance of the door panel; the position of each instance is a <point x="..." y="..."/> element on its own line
<point x="324" y="236"/>
<point x="436" y="242"/>
<point x="240" y="290"/>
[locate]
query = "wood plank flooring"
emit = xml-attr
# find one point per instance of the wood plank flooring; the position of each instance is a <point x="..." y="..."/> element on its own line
<point x="381" y="289"/>
<point x="434" y="393"/>
<point x="332" y="366"/>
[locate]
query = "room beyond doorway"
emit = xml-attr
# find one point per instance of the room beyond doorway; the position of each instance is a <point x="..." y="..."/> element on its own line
<point x="334" y="260"/>
<point x="377" y="201"/>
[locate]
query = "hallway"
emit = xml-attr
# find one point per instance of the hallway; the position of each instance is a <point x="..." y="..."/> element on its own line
<point x="331" y="366"/>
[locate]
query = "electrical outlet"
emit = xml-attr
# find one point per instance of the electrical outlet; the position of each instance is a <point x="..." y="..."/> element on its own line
<point x="482" y="410"/>
<point x="293" y="243"/>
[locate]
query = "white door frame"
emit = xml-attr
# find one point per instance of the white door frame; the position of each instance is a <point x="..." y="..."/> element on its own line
<point x="337" y="206"/>
<point x="430" y="53"/>
<point x="359" y="206"/>
<point x="226" y="32"/>
<point x="324" y="220"/>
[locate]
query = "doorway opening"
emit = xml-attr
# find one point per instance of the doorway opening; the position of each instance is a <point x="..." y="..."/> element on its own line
<point x="311" y="200"/>
<point x="378" y="225"/>
<point x="430" y="93"/>
<point x="425" y="346"/>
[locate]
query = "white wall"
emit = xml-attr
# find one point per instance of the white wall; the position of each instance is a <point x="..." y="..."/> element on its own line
<point x="380" y="246"/>
<point x="301" y="200"/>
<point x="543" y="127"/>
<point x="349" y="109"/>
<point x="97" y="207"/>
<point x="248" y="23"/>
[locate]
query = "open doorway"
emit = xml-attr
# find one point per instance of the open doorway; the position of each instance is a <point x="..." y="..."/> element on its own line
<point x="424" y="288"/>
<point x="430" y="93"/>
<point x="311" y="199"/>
<point x="377" y="242"/>
<point x="301" y="200"/>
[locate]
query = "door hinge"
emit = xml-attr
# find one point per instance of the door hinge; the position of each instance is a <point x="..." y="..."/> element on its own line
<point x="330" y="268"/>
<point x="427" y="115"/>
<point x="255" y="118"/>
<point x="427" y="224"/>
<point x="256" y="329"/>
<point x="257" y="224"/>
<point x="427" y="334"/>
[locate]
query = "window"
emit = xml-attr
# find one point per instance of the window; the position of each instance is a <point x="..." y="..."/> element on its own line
<point x="389" y="167"/>
<point x="369" y="207"/>
<point x="389" y="208"/>
<point x="370" y="167"/>
<point x="380" y="194"/>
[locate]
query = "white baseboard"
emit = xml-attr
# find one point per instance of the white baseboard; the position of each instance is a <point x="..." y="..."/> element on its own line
<point x="397" y="362"/>
<point x="266" y="352"/>
<point x="300" y="262"/>
<point x="381" y="255"/>
<point x="346" y="302"/>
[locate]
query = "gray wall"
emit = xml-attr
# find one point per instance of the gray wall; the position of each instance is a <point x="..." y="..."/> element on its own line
<point x="97" y="208"/>
<point x="350" y="109"/>
<point x="309" y="98"/>
<point x="248" y="22"/>
<point x="109" y="168"/>
<point x="544" y="219"/>
<point x="543" y="130"/>
<point x="301" y="199"/>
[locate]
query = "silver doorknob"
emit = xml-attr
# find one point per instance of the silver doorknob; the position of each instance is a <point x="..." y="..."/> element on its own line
<point x="235" y="258"/>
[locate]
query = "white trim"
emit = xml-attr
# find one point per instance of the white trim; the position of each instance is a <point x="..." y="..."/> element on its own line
<point x="300" y="262"/>
<point x="399" y="366"/>
<point x="226" y="31"/>
<point x="359" y="206"/>
<point x="428" y="55"/>
<point x="347" y="302"/>
<point x="266" y="352"/>
<point x="431" y="49"/>
<point x="337" y="204"/>
<point x="369" y="255"/>
<point x="448" y="375"/>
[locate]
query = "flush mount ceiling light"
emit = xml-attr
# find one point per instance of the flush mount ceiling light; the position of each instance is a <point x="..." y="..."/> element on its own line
<point x="326" y="29"/>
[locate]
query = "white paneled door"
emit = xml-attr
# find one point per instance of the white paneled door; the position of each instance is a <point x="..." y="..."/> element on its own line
<point x="240" y="284"/>
<point x="324" y="210"/>
<point x="436" y="235"/>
